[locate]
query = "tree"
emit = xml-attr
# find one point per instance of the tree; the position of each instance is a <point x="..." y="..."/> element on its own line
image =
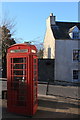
<point x="40" y="53"/>
<point x="7" y="41"/>
<point x="7" y="30"/>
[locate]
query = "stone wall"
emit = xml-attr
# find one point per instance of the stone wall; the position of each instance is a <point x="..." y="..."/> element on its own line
<point x="45" y="70"/>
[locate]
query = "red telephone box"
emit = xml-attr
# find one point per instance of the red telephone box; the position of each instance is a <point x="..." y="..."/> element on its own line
<point x="22" y="76"/>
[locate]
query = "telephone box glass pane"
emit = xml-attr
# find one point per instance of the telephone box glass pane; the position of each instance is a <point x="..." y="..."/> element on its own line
<point x="11" y="60"/>
<point x="34" y="60"/>
<point x="19" y="60"/>
<point x="20" y="79"/>
<point x="19" y="66"/>
<point x="19" y="72"/>
<point x="34" y="78"/>
<point x="34" y="66"/>
<point x="34" y="72"/>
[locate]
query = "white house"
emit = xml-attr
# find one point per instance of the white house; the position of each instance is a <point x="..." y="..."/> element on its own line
<point x="62" y="43"/>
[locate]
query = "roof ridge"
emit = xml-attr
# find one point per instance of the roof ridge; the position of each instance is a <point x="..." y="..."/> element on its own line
<point x="67" y="22"/>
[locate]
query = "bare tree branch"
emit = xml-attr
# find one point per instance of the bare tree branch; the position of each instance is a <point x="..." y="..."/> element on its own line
<point x="8" y="22"/>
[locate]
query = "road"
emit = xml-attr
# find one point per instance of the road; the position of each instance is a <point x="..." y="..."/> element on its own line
<point x="57" y="90"/>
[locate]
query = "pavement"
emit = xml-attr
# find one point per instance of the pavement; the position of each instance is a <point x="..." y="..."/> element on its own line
<point x="60" y="102"/>
<point x="72" y="92"/>
<point x="48" y="107"/>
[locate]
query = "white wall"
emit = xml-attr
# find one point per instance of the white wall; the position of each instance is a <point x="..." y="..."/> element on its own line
<point x="49" y="40"/>
<point x="64" y="64"/>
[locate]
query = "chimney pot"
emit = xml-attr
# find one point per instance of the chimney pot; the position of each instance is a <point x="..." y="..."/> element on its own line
<point x="51" y="14"/>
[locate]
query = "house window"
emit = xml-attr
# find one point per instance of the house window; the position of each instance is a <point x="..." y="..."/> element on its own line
<point x="76" y="55"/>
<point x="75" y="35"/>
<point x="75" y="74"/>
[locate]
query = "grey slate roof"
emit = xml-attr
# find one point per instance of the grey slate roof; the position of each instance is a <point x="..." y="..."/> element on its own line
<point x="61" y="29"/>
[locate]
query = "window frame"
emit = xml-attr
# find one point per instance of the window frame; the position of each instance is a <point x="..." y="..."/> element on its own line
<point x="75" y="35"/>
<point x="73" y="76"/>
<point x="78" y="55"/>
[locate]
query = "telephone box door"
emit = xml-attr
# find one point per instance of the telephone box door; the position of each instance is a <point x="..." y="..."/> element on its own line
<point x="18" y="84"/>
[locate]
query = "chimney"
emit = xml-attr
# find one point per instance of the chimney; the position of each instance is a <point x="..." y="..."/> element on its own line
<point x="52" y="19"/>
